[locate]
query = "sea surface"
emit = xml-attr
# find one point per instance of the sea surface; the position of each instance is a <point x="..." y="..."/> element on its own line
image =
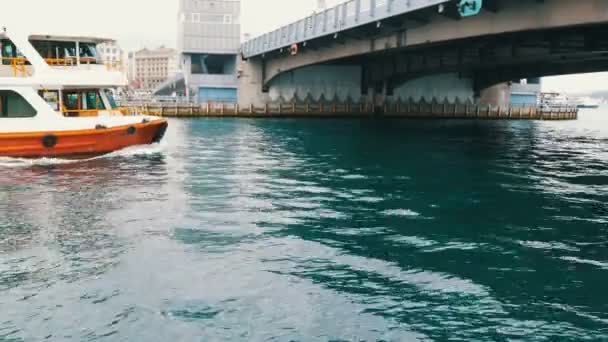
<point x="314" y="230"/>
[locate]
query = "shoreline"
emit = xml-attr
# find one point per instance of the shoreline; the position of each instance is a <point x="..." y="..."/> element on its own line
<point x="358" y="110"/>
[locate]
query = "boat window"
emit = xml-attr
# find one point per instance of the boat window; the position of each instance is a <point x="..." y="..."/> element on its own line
<point x="51" y="97"/>
<point x="8" y="50"/>
<point x="45" y="49"/>
<point x="13" y="105"/>
<point x="82" y="102"/>
<point x="72" y="101"/>
<point x="88" y="51"/>
<point x="64" y="53"/>
<point x="56" y="53"/>
<point x="10" y="53"/>
<point x="110" y="98"/>
<point x="94" y="101"/>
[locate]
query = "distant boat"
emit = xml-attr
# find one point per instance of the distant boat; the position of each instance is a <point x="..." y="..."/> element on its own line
<point x="555" y="100"/>
<point x="587" y="102"/>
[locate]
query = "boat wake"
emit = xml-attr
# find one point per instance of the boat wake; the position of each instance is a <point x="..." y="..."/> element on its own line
<point x="134" y="151"/>
<point x="129" y="152"/>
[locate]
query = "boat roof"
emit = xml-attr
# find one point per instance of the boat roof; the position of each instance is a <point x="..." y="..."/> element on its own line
<point x="82" y="39"/>
<point x="65" y="38"/>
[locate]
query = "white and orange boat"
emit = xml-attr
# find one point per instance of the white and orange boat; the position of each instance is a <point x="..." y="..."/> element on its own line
<point x="55" y="100"/>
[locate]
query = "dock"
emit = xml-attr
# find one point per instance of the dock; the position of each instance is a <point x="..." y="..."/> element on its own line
<point x="421" y="110"/>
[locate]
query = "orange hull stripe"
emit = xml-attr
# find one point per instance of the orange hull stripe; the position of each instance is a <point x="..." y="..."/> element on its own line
<point x="81" y="142"/>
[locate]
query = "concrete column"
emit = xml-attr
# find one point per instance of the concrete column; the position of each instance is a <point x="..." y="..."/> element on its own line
<point x="496" y="95"/>
<point x="250" y="82"/>
<point x="379" y="95"/>
<point x="187" y="69"/>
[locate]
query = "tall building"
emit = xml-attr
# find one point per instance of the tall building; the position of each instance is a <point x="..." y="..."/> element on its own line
<point x="208" y="41"/>
<point x="148" y="69"/>
<point x="321" y="5"/>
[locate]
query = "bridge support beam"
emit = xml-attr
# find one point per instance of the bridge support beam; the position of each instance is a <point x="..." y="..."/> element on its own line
<point x="251" y="83"/>
<point x="496" y="95"/>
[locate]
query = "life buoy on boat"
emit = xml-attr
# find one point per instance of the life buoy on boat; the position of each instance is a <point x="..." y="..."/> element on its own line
<point x="49" y="141"/>
<point x="293" y="49"/>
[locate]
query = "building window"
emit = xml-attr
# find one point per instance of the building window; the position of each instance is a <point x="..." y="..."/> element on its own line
<point x="196" y="17"/>
<point x="212" y="64"/>
<point x="13" y="105"/>
<point x="227" y="19"/>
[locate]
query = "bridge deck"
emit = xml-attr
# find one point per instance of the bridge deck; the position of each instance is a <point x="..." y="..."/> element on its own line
<point x="346" y="16"/>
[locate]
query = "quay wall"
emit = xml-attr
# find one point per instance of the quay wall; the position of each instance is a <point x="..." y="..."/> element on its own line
<point x="397" y="109"/>
<point x="450" y="87"/>
<point x="343" y="83"/>
<point x="340" y="82"/>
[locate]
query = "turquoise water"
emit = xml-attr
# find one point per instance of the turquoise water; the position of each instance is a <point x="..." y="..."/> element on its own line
<point x="314" y="230"/>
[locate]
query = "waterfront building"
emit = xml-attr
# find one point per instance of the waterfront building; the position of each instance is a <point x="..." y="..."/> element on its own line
<point x="321" y="5"/>
<point x="110" y="53"/>
<point x="526" y="92"/>
<point x="208" y="41"/>
<point x="149" y="68"/>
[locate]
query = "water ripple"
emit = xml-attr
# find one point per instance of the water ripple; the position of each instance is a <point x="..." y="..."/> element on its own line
<point x="255" y="230"/>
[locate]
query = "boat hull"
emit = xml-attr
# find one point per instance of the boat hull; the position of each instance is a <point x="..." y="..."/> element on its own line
<point x="81" y="143"/>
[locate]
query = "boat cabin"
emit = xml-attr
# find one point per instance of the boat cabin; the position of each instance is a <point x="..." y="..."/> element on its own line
<point x="81" y="102"/>
<point x="66" y="102"/>
<point x="56" y="51"/>
<point x="67" y="51"/>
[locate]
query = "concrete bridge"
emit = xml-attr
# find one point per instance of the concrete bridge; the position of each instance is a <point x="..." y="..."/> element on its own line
<point x="381" y="50"/>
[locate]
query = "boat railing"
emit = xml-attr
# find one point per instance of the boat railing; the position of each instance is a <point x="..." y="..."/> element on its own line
<point x="80" y="112"/>
<point x="18" y="65"/>
<point x="114" y="66"/>
<point x="69" y="61"/>
<point x="126" y="111"/>
<point x="95" y="112"/>
<point x="73" y="61"/>
<point x="87" y="61"/>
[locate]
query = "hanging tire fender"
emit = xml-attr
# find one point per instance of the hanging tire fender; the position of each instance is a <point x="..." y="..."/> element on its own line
<point x="293" y="49"/>
<point x="49" y="140"/>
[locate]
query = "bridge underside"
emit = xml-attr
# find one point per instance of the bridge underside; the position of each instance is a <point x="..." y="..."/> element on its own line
<point x="429" y="61"/>
<point x="491" y="60"/>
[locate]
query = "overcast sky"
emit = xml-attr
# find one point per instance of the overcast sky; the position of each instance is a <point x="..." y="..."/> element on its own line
<point x="149" y="23"/>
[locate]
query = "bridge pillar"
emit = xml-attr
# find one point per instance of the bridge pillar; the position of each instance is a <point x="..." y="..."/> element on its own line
<point x="251" y="83"/>
<point x="496" y="95"/>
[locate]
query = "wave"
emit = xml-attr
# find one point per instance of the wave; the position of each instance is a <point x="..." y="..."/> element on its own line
<point x="401" y="212"/>
<point x="132" y="151"/>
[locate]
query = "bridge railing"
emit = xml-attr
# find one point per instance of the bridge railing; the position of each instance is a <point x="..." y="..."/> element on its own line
<point x="344" y="16"/>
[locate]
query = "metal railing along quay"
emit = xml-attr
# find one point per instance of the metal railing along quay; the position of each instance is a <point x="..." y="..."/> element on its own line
<point x="361" y="109"/>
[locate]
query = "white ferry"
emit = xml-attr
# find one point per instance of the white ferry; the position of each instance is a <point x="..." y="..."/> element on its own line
<point x="587" y="103"/>
<point x="555" y="100"/>
<point x="55" y="100"/>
